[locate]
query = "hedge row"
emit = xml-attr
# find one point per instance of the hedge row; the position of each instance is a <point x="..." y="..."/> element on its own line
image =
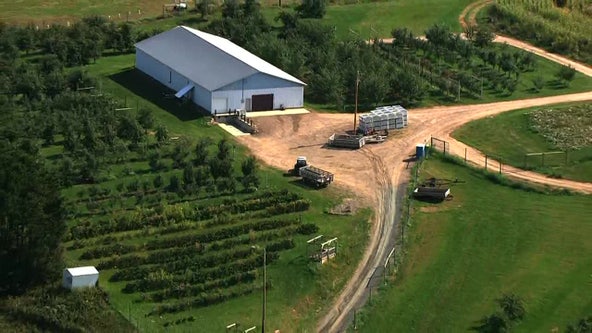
<point x="153" y="284"/>
<point x="181" y="264"/>
<point x="171" y="254"/>
<point x="196" y="263"/>
<point x="273" y="203"/>
<point x="188" y="290"/>
<point x="107" y="251"/>
<point x="219" y="234"/>
<point x="206" y="299"/>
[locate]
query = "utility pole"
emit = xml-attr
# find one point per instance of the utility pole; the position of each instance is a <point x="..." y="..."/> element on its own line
<point x="264" y="288"/>
<point x="356" y="107"/>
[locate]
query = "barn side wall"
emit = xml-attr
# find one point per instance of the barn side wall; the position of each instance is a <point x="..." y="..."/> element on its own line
<point x="171" y="79"/>
<point x="285" y="93"/>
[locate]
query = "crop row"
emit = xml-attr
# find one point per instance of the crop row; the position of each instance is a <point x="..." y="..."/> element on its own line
<point x="196" y="263"/>
<point x="206" y="299"/>
<point x="219" y="234"/>
<point x="171" y="254"/>
<point x="169" y="215"/>
<point x="163" y="280"/>
<point x="182" y="263"/>
<point x="188" y="290"/>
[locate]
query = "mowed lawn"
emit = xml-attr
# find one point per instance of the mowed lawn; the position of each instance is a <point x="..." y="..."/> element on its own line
<point x="368" y="19"/>
<point x="39" y="11"/>
<point x="487" y="241"/>
<point x="509" y="136"/>
<point x="378" y="19"/>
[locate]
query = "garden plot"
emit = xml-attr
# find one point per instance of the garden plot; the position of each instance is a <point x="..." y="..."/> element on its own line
<point x="194" y="253"/>
<point x="566" y="128"/>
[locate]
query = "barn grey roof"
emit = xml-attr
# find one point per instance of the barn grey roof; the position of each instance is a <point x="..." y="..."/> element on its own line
<point x="208" y="60"/>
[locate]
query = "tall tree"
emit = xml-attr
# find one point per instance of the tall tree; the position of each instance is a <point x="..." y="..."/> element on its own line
<point x="312" y="8"/>
<point x="512" y="306"/>
<point x="32" y="221"/>
<point x="584" y="325"/>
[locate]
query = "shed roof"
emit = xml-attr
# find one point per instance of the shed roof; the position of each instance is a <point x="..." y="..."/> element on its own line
<point x="208" y="60"/>
<point x="81" y="271"/>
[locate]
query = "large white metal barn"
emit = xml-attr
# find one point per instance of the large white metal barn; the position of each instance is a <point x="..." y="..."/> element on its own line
<point x="215" y="73"/>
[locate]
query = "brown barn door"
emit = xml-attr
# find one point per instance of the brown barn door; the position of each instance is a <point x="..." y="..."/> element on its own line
<point x="262" y="102"/>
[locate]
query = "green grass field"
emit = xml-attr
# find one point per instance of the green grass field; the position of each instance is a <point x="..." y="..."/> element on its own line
<point x="509" y="136"/>
<point x="487" y="241"/>
<point x="378" y="19"/>
<point x="368" y="19"/>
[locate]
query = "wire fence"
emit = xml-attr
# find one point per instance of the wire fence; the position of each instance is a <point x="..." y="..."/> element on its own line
<point x="387" y="272"/>
<point x="488" y="162"/>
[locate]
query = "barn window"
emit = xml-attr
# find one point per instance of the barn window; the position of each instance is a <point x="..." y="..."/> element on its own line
<point x="170" y="76"/>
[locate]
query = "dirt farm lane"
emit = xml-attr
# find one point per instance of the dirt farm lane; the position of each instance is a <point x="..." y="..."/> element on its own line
<point x="376" y="173"/>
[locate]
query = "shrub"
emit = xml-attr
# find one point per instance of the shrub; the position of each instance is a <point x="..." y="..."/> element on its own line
<point x="307" y="229"/>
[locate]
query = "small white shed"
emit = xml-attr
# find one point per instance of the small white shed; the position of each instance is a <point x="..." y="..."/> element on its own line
<point x="80" y="277"/>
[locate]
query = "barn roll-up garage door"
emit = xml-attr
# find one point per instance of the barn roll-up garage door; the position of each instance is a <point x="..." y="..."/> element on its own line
<point x="220" y="105"/>
<point x="262" y="102"/>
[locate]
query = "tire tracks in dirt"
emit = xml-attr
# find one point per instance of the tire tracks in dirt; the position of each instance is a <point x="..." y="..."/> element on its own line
<point x="382" y="167"/>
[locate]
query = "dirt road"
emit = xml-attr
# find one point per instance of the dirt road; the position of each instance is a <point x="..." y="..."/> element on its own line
<point x="377" y="172"/>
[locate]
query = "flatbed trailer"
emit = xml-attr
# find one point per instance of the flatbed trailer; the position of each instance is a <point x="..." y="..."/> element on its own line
<point x="315" y="176"/>
<point x="346" y="141"/>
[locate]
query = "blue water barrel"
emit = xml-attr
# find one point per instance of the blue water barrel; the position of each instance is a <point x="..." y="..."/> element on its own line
<point x="420" y="151"/>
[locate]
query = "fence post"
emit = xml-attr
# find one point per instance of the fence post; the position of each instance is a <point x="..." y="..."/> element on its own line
<point x="543" y="154"/>
<point x="465" y="155"/>
<point x="485" y="162"/>
<point x="566" y="157"/>
<point x="500" y="166"/>
<point x="525" y="161"/>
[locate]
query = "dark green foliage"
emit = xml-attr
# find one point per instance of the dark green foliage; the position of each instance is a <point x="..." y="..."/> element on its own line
<point x="226" y="184"/>
<point x="31" y="221"/>
<point x="307" y="229"/>
<point x="155" y="161"/>
<point x="495" y="323"/>
<point x="312" y="8"/>
<point x="512" y="306"/>
<point x="180" y="153"/>
<point x="582" y="326"/>
<point x="240" y="22"/>
<point x="188" y="175"/>
<point x="249" y="169"/>
<point x="54" y="309"/>
<point x="146" y="118"/>
<point x="129" y="129"/>
<point x="174" y="184"/>
<point x="538" y="83"/>
<point x="158" y="182"/>
<point x="162" y="134"/>
<point x="201" y="151"/>
<point x="106" y="251"/>
<point x="566" y="74"/>
<point x="511" y="311"/>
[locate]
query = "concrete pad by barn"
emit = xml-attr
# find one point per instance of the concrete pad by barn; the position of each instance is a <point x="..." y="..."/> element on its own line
<point x="254" y="114"/>
<point x="232" y="130"/>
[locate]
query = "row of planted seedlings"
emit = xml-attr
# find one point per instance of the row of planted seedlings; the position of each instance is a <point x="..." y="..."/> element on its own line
<point x="184" y="215"/>
<point x="147" y="192"/>
<point x="210" y="264"/>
